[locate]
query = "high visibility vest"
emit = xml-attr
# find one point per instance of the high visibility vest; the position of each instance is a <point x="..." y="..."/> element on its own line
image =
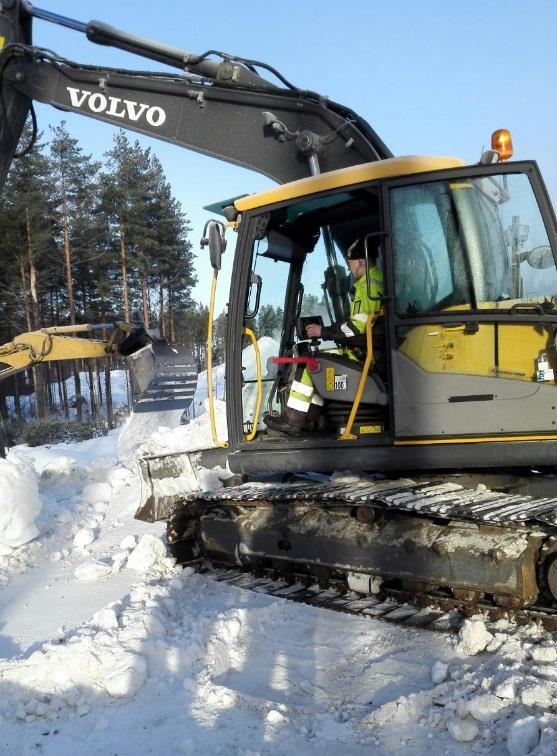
<point x="362" y="306"/>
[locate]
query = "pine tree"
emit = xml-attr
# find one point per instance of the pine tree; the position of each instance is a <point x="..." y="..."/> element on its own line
<point x="149" y="229"/>
<point x="28" y="243"/>
<point x="74" y="180"/>
<point x="219" y="339"/>
<point x="125" y="196"/>
<point x="191" y="324"/>
<point x="169" y="255"/>
<point x="269" y="321"/>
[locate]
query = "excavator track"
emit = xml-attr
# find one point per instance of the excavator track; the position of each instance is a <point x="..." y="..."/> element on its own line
<point x="435" y="613"/>
<point x="429" y="550"/>
<point x="446" y="501"/>
<point x="389" y="608"/>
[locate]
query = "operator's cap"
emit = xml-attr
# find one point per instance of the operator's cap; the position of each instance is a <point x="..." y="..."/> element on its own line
<point x="356" y="251"/>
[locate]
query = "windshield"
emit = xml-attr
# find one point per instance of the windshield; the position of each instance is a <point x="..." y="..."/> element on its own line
<point x="470" y="244"/>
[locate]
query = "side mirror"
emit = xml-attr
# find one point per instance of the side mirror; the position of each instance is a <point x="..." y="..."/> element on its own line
<point x="213" y="237"/>
<point x="541" y="257"/>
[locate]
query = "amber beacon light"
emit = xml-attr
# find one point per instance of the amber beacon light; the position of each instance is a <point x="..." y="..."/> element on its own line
<point x="502" y="142"/>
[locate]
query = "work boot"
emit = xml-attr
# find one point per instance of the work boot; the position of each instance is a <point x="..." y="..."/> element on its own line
<point x="312" y="417"/>
<point x="291" y="422"/>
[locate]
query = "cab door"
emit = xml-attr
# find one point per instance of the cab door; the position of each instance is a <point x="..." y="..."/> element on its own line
<point x="473" y="311"/>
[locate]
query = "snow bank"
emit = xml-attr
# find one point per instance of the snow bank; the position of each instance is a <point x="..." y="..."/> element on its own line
<point x="58" y="469"/>
<point x="108" y="657"/>
<point x="506" y="696"/>
<point x="71" y="676"/>
<point x="85" y="454"/>
<point x="19" y="503"/>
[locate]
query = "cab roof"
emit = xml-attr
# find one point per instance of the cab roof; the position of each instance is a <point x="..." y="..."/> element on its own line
<point x="380" y="169"/>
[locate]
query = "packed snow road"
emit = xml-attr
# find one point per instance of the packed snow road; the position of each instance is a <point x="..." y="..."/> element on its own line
<point x="107" y="647"/>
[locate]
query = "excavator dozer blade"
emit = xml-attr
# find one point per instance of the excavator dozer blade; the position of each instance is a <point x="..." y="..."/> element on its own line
<point x="164" y="377"/>
<point x="167" y="480"/>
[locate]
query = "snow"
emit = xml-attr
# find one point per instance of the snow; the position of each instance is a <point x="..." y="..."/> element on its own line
<point x="83" y="537"/>
<point x="195" y="435"/>
<point x="545" y="654"/>
<point x="473" y="637"/>
<point x="149" y="553"/>
<point x="439" y="672"/>
<point x="106" y="646"/>
<point x="524" y="735"/>
<point x="463" y="730"/>
<point x="19" y="504"/>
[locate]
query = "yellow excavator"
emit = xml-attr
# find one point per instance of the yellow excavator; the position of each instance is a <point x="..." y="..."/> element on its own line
<point x="450" y="421"/>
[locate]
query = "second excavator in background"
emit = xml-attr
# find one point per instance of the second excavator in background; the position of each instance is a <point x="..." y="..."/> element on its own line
<point x="163" y="375"/>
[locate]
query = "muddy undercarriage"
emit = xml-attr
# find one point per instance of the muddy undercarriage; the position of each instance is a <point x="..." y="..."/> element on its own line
<point x="442" y="544"/>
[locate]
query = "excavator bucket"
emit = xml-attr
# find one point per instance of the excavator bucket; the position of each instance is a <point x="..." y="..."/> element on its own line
<point x="164" y="377"/>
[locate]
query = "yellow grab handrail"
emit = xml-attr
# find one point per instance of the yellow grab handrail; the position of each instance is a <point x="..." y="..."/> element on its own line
<point x="221" y="444"/>
<point x="346" y="434"/>
<point x="248" y="332"/>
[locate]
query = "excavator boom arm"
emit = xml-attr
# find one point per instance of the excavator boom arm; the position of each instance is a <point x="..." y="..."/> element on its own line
<point x="223" y="110"/>
<point x="48" y="345"/>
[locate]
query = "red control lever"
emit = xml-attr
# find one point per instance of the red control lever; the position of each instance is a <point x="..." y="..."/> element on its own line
<point x="311" y="363"/>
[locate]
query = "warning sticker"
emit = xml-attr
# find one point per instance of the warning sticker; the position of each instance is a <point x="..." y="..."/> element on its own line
<point x="341" y="382"/>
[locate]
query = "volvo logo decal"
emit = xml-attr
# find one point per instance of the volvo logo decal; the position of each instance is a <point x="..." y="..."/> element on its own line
<point x="116" y="107"/>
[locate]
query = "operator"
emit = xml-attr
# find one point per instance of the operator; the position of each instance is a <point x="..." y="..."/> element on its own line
<point x="304" y="403"/>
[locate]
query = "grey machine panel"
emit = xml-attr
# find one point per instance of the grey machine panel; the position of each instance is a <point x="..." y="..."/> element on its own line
<point x="433" y="404"/>
<point x="347" y="377"/>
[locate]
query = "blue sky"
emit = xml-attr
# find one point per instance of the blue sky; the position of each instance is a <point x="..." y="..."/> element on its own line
<point x="432" y="77"/>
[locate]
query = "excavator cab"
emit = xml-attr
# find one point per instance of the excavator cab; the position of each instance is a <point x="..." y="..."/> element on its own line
<point x="464" y="349"/>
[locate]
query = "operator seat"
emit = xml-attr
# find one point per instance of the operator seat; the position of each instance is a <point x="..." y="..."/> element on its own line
<point x="337" y="379"/>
